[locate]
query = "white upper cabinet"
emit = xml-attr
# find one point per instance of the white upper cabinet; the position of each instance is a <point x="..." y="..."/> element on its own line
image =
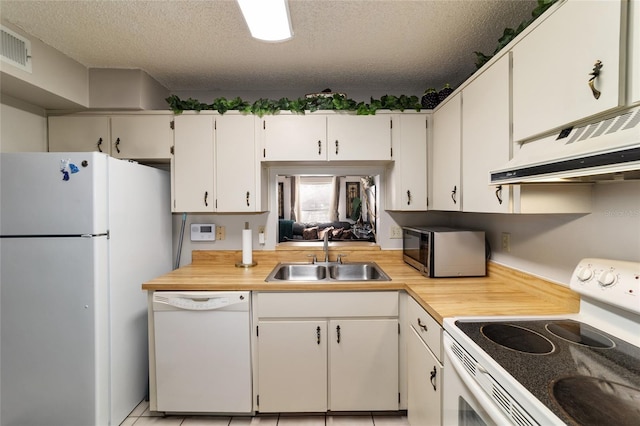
<point x="485" y="138"/>
<point x="192" y="169"/>
<point x="357" y="137"/>
<point x="322" y="137"/>
<point x="133" y="137"/>
<point x="553" y="65"/>
<point x="142" y="136"/>
<point x="407" y="176"/>
<point x="294" y="137"/>
<point x="235" y="165"/>
<point x="79" y="134"/>
<point x="446" y="155"/>
<point x="633" y="73"/>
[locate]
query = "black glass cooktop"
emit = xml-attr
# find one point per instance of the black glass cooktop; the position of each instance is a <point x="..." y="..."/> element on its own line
<point x="583" y="375"/>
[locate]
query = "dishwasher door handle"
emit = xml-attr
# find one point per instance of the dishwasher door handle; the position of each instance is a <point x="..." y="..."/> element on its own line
<point x="192" y="301"/>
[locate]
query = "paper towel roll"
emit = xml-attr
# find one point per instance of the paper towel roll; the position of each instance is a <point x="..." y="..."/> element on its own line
<point x="247" y="247"/>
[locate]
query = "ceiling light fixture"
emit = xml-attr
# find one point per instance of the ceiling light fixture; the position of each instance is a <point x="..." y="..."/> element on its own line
<point x="268" y="20"/>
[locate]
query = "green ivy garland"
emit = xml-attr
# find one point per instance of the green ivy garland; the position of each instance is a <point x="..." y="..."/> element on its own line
<point x="509" y="33"/>
<point x="263" y="107"/>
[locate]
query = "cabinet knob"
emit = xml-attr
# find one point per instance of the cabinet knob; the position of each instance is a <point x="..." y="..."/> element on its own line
<point x="118" y="145"/>
<point x="432" y="377"/>
<point x="592" y="81"/>
<point x="99" y="144"/>
<point x="422" y="326"/>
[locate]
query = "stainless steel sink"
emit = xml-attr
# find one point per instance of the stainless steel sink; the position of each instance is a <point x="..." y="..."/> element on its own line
<point x="327" y="272"/>
<point x="366" y="271"/>
<point x="298" y="272"/>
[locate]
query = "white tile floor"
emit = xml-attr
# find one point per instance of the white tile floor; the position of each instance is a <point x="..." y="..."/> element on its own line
<point x="141" y="416"/>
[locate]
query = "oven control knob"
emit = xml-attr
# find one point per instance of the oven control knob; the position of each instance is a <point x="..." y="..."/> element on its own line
<point x="607" y="279"/>
<point x="585" y="274"/>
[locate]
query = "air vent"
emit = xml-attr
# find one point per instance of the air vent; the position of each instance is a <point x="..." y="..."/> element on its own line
<point x="611" y="125"/>
<point x="16" y="50"/>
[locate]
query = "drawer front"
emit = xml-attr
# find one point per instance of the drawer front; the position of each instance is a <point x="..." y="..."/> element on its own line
<point x="426" y="327"/>
<point x="327" y="304"/>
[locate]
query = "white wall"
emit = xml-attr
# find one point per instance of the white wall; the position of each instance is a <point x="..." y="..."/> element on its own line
<point x="550" y="246"/>
<point x="23" y="127"/>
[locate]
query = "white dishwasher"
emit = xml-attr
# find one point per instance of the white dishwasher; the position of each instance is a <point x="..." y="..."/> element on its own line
<point x="202" y="351"/>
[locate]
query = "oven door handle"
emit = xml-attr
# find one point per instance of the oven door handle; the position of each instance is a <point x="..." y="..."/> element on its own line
<point x="489" y="406"/>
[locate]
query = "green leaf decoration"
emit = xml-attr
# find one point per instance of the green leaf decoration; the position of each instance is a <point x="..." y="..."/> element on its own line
<point x="263" y="106"/>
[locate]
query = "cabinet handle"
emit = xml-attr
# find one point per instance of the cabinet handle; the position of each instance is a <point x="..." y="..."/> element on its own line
<point x="248" y="198"/>
<point x="337" y="145"/>
<point x="453" y="194"/>
<point x="422" y="326"/>
<point x="592" y="81"/>
<point x="408" y="197"/>
<point x="319" y="147"/>
<point x="338" y="333"/>
<point x="99" y="144"/>
<point x="432" y="377"/>
<point x="206" y="195"/>
<point x="118" y="145"/>
<point x="499" y="194"/>
<point x="318" y="335"/>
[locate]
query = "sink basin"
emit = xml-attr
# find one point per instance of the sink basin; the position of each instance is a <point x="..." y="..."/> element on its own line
<point x="368" y="271"/>
<point x="298" y="272"/>
<point x="327" y="272"/>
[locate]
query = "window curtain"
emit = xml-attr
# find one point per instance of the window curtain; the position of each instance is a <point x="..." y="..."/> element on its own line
<point x="334" y="214"/>
<point x="295" y="197"/>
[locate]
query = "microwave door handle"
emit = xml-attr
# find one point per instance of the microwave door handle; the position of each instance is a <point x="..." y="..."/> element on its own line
<point x="490" y="407"/>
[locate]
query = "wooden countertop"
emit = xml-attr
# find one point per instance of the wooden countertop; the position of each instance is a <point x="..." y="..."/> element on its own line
<point x="503" y="292"/>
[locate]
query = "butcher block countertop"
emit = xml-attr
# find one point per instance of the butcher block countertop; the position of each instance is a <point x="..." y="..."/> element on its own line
<point x="503" y="292"/>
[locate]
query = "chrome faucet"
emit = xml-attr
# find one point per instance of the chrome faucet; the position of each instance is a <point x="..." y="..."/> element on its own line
<point x="326" y="247"/>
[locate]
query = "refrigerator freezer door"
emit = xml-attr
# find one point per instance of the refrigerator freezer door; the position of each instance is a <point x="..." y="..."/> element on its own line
<point x="54" y="331"/>
<point x="34" y="183"/>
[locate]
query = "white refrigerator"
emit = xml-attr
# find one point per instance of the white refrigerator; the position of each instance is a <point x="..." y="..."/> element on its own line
<point x="79" y="234"/>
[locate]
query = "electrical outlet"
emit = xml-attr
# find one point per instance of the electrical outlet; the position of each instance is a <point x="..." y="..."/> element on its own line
<point x="220" y="232"/>
<point x="506" y="242"/>
<point x="395" y="232"/>
<point x="260" y="229"/>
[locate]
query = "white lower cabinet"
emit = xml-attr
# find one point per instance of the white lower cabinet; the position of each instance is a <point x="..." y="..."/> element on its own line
<point x="424" y="367"/>
<point x="328" y="352"/>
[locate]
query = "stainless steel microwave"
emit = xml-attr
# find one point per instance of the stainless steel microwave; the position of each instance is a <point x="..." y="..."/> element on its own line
<point x="440" y="251"/>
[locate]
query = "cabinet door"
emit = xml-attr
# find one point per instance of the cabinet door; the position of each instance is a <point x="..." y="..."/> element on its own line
<point x="292" y="366"/>
<point x="193" y="164"/>
<point x="407" y="175"/>
<point x="446" y="155"/>
<point x="485" y="138"/>
<point x="363" y="364"/>
<point x="294" y="138"/>
<point x="144" y="137"/>
<point x="79" y="134"/>
<point x="552" y="66"/>
<point x="353" y="137"/>
<point x="235" y="164"/>
<point x="424" y="383"/>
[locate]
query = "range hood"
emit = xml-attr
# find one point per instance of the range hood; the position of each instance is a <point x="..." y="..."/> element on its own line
<point x="608" y="148"/>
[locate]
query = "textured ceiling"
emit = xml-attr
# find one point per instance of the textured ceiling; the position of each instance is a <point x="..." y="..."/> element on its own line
<point x="397" y="46"/>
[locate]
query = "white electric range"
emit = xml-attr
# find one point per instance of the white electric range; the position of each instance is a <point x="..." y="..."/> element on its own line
<point x="578" y="369"/>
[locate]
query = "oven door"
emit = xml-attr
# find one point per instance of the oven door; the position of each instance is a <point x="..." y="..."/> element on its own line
<point x="464" y="402"/>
